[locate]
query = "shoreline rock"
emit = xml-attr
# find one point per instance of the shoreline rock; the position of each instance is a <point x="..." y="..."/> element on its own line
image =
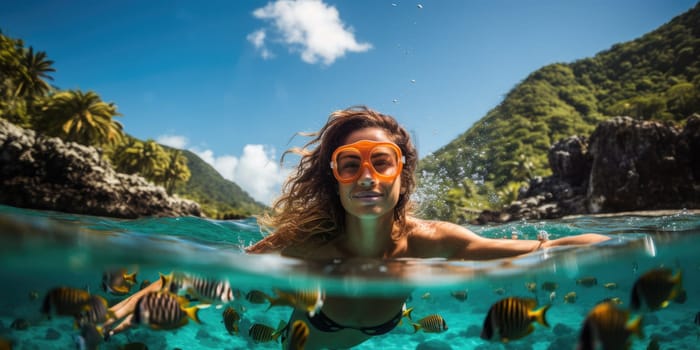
<point x="626" y="165"/>
<point x="46" y="173"/>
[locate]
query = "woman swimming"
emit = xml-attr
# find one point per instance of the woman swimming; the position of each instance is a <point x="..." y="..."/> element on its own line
<point x="350" y="197"/>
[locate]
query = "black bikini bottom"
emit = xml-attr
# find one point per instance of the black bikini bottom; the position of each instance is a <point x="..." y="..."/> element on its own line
<point x="324" y="324"/>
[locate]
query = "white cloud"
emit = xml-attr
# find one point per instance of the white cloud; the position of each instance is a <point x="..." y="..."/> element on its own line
<point x="310" y="27"/>
<point x="174" y="141"/>
<point x="256" y="171"/>
<point x="259" y="173"/>
<point x="257" y="38"/>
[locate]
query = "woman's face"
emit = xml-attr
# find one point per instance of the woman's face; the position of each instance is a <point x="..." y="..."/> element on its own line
<point x="369" y="197"/>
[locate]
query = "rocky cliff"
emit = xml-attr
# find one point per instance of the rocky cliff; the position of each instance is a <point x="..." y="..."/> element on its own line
<point x="625" y="165"/>
<point x="46" y="173"/>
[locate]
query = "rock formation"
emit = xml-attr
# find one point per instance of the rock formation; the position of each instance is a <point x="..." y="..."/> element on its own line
<point x="625" y="165"/>
<point x="47" y="173"/>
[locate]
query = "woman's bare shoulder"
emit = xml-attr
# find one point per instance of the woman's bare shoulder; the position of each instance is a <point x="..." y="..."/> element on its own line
<point x="421" y="228"/>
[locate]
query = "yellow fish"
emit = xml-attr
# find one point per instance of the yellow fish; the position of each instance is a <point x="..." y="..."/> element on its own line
<point x="231" y="319"/>
<point x="300" y="332"/>
<point x="511" y="318"/>
<point x="570" y="298"/>
<point x="614" y="300"/>
<point x="164" y="310"/>
<point x="96" y="311"/>
<point x="608" y="327"/>
<point x="611" y="286"/>
<point x="587" y="281"/>
<point x="309" y="301"/>
<point x="261" y="333"/>
<point x="118" y="282"/>
<point x="431" y="324"/>
<point x="655" y="288"/>
<point x="65" y="301"/>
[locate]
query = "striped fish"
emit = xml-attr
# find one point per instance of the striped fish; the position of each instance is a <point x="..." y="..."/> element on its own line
<point x="208" y="290"/>
<point x="655" y="289"/>
<point x="431" y="324"/>
<point x="65" y="301"/>
<point x="608" y="327"/>
<point x="300" y="332"/>
<point x="163" y="310"/>
<point x="89" y="338"/>
<point x="95" y="312"/>
<point x="511" y="318"/>
<point x="261" y="333"/>
<point x="231" y="318"/>
<point x="118" y="281"/>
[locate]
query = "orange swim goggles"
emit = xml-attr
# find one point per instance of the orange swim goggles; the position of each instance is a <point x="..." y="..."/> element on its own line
<point x="383" y="159"/>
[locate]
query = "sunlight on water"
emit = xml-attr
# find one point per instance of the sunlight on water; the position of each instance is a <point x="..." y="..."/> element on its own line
<point x="41" y="250"/>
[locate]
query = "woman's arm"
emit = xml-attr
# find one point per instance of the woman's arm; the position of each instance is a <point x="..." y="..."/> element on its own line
<point x="443" y="239"/>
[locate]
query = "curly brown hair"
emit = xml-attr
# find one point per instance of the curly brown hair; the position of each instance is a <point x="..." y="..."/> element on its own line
<point x="309" y="204"/>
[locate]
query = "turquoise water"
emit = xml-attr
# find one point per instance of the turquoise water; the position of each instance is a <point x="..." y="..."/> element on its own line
<point x="41" y="250"/>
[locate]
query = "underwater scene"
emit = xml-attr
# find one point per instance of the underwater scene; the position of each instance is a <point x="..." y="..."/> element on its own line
<point x="59" y="271"/>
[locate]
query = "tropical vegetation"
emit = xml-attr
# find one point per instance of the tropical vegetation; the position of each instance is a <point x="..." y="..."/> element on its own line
<point x="655" y="77"/>
<point x="29" y="100"/>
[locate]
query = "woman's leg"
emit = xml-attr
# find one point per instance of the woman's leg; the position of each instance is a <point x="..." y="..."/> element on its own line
<point x="125" y="308"/>
<point x="127" y="305"/>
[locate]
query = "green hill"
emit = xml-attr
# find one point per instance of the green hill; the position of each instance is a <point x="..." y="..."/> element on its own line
<point x="219" y="197"/>
<point x="656" y="76"/>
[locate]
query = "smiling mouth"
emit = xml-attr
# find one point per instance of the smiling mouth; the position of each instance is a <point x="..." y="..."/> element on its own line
<point x="366" y="195"/>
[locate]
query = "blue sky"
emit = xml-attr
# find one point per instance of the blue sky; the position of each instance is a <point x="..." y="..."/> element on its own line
<point x="235" y="80"/>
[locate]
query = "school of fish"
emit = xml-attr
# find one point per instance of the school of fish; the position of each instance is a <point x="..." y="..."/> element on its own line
<point x="609" y="324"/>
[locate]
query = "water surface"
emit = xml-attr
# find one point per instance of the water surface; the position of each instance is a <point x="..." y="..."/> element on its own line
<point x="41" y="250"/>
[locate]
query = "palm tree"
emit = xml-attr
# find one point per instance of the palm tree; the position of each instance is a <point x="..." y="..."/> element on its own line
<point x="81" y="117"/>
<point x="146" y="158"/>
<point x="34" y="70"/>
<point x="9" y="65"/>
<point x="177" y="171"/>
<point x="12" y="107"/>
